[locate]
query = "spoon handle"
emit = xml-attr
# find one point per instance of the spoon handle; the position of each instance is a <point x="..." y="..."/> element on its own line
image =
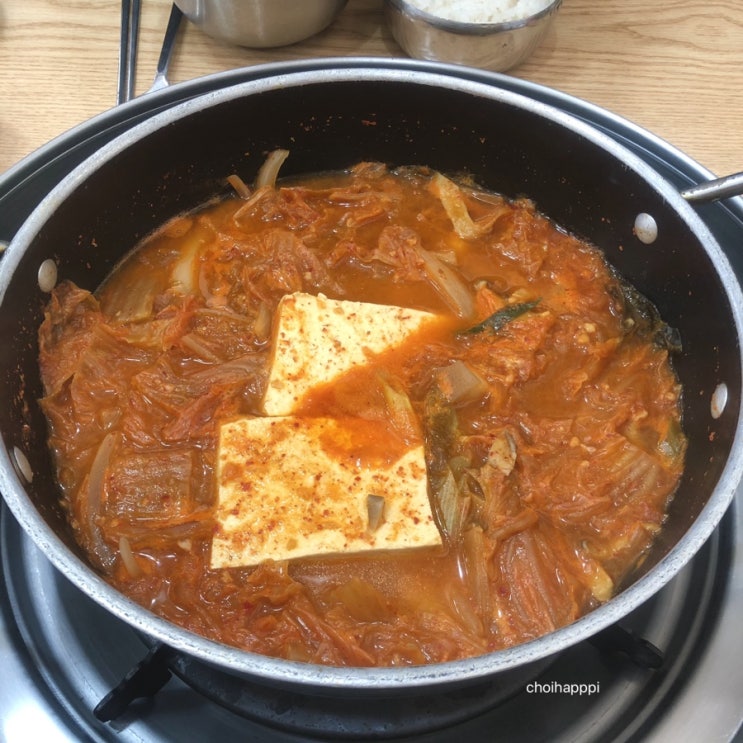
<point x="171" y="32"/>
<point x="714" y="190"/>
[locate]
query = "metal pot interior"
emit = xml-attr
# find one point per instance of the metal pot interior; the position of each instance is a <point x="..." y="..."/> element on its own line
<point x="586" y="183"/>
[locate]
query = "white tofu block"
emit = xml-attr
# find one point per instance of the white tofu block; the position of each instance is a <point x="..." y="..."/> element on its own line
<point x="291" y="487"/>
<point x="317" y="339"/>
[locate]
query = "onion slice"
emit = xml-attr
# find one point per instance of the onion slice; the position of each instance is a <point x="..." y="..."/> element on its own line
<point x="400" y="409"/>
<point x="375" y="511"/>
<point x="475" y="557"/>
<point x="269" y="171"/>
<point x="453" y="507"/>
<point x="262" y="326"/>
<point x="95" y="485"/>
<point x="449" y="284"/>
<point x="460" y="384"/>
<point x="238" y="184"/>
<point x="127" y="557"/>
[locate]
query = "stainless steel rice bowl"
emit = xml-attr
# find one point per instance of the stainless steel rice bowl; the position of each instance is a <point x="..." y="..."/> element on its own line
<point x="491" y="46"/>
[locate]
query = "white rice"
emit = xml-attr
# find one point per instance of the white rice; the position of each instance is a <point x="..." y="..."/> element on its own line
<point x="481" y="11"/>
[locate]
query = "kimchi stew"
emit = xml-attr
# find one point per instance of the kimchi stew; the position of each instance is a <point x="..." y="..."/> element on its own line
<point x="378" y="417"/>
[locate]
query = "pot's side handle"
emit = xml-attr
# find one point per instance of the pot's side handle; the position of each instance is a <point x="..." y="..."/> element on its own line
<point x="714" y="190"/>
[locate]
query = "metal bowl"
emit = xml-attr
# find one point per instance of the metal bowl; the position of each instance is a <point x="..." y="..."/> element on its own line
<point x="491" y="46"/>
<point x="261" y="23"/>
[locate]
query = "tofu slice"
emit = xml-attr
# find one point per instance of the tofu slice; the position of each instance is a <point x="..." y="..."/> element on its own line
<point x="291" y="487"/>
<point x="317" y="339"/>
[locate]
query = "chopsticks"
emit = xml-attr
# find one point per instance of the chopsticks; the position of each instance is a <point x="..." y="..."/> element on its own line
<point x="130" y="11"/>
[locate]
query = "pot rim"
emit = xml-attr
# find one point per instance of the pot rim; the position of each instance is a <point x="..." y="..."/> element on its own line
<point x="278" y="671"/>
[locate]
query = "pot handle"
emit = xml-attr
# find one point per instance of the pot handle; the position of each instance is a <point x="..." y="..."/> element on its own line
<point x="714" y="190"/>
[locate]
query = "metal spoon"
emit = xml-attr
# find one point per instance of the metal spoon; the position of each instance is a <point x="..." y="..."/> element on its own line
<point x="171" y="32"/>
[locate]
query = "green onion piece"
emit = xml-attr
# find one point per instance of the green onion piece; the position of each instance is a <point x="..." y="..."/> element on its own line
<point x="498" y="320"/>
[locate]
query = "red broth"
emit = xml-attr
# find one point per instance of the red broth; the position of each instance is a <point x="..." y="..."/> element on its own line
<point x="551" y="463"/>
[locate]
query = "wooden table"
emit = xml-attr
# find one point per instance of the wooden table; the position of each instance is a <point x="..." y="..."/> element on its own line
<point x="673" y="67"/>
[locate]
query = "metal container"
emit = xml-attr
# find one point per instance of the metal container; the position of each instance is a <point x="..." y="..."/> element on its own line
<point x="331" y="116"/>
<point x="491" y="46"/>
<point x="261" y="23"/>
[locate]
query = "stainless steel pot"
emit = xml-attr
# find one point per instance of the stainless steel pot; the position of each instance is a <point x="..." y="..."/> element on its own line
<point x="329" y="118"/>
